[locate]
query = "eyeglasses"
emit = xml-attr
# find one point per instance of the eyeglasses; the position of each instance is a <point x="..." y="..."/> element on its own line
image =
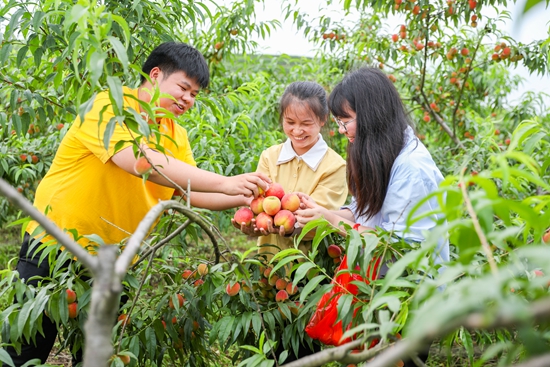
<point x="343" y="124"/>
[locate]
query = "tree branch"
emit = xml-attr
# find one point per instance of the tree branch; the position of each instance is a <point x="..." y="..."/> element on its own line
<point x="49" y="227"/>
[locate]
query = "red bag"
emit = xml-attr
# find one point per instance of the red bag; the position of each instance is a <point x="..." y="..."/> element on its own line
<point x="322" y="325"/>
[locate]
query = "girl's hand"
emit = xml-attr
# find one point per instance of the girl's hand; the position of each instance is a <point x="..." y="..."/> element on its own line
<point x="305" y="200"/>
<point x="249" y="230"/>
<point x="309" y="212"/>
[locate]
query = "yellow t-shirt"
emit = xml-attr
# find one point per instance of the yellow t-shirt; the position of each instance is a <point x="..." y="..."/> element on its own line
<point x="86" y="191"/>
<point x="326" y="185"/>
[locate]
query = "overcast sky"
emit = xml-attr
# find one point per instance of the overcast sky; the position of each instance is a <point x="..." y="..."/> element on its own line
<point x="534" y="26"/>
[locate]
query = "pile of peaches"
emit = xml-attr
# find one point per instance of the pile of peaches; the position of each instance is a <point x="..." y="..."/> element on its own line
<point x="273" y="206"/>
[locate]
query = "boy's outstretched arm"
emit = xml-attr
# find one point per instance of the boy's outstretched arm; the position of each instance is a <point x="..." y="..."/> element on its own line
<point x="202" y="181"/>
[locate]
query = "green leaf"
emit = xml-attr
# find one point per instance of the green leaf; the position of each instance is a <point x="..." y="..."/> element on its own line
<point x="310" y="286"/>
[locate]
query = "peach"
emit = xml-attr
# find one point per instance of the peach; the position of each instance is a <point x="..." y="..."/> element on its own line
<point x="71" y="296"/>
<point x="275" y="190"/>
<point x="267" y="271"/>
<point x="273" y="280"/>
<point x="546" y="237"/>
<point x="262" y="221"/>
<point x="142" y="167"/>
<point x="180" y="301"/>
<point x="232" y="290"/>
<point x="202" y="269"/>
<point x="286" y="219"/>
<point x="280" y="284"/>
<point x="291" y="289"/>
<point x="257" y="205"/>
<point x="243" y="215"/>
<point x="73" y="310"/>
<point x="272" y="205"/>
<point x="281" y="296"/>
<point x="125" y="319"/>
<point x="187" y="274"/>
<point x="334" y="251"/>
<point x="290" y="202"/>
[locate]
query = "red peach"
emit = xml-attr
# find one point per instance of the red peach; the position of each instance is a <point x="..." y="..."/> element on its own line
<point x="281" y="284"/>
<point x="281" y="296"/>
<point x="290" y="202"/>
<point x="243" y="215"/>
<point x="273" y="280"/>
<point x="262" y="221"/>
<point x="233" y="290"/>
<point x="291" y="289"/>
<point x="73" y="310"/>
<point x="257" y="205"/>
<point x="538" y="273"/>
<point x="334" y="251"/>
<point x="286" y="219"/>
<point x="275" y="190"/>
<point x="272" y="205"/>
<point x="59" y="126"/>
<point x="34" y="159"/>
<point x="142" y="167"/>
<point x="187" y="274"/>
<point x="180" y="301"/>
<point x="125" y="319"/>
<point x="546" y="237"/>
<point x="71" y="296"/>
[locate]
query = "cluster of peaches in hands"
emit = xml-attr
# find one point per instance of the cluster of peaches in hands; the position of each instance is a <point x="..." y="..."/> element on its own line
<point x="271" y="212"/>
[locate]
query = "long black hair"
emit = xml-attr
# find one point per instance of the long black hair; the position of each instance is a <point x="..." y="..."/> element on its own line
<point x="381" y="122"/>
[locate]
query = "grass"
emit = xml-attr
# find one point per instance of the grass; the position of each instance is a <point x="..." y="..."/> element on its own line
<point x="10" y="241"/>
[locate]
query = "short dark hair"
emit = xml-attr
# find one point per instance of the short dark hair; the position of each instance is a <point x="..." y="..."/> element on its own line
<point x="172" y="57"/>
<point x="381" y="121"/>
<point x="309" y="92"/>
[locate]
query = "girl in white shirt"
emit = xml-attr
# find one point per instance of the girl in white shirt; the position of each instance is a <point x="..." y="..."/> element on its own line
<point x="388" y="169"/>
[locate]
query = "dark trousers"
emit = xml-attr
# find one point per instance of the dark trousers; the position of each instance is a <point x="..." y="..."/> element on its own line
<point x="28" y="266"/>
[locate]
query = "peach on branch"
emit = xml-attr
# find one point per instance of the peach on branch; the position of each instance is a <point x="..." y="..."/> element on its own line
<point x="233" y="290"/>
<point x="244" y="215"/>
<point x="334" y="251"/>
<point x="202" y="269"/>
<point x="281" y="296"/>
<point x="180" y="301"/>
<point x="290" y="202"/>
<point x="546" y="237"/>
<point x="263" y="220"/>
<point x="257" y="205"/>
<point x="125" y="319"/>
<point x="73" y="310"/>
<point x="187" y="274"/>
<point x="291" y="289"/>
<point x="281" y="284"/>
<point x="286" y="219"/>
<point x="273" y="280"/>
<point x="141" y="166"/>
<point x="275" y="190"/>
<point x="71" y="296"/>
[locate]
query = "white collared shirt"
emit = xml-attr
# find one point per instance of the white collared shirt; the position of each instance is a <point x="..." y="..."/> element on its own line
<point x="312" y="157"/>
<point x="413" y="176"/>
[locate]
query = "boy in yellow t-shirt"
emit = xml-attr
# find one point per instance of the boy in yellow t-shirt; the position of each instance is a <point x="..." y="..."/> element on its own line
<point x="95" y="189"/>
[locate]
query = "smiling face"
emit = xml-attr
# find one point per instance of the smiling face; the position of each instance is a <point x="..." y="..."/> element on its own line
<point x="178" y="85"/>
<point x="301" y="126"/>
<point x="349" y="130"/>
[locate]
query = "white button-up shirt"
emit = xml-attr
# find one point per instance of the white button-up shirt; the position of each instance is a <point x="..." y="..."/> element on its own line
<point x="413" y="176"/>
